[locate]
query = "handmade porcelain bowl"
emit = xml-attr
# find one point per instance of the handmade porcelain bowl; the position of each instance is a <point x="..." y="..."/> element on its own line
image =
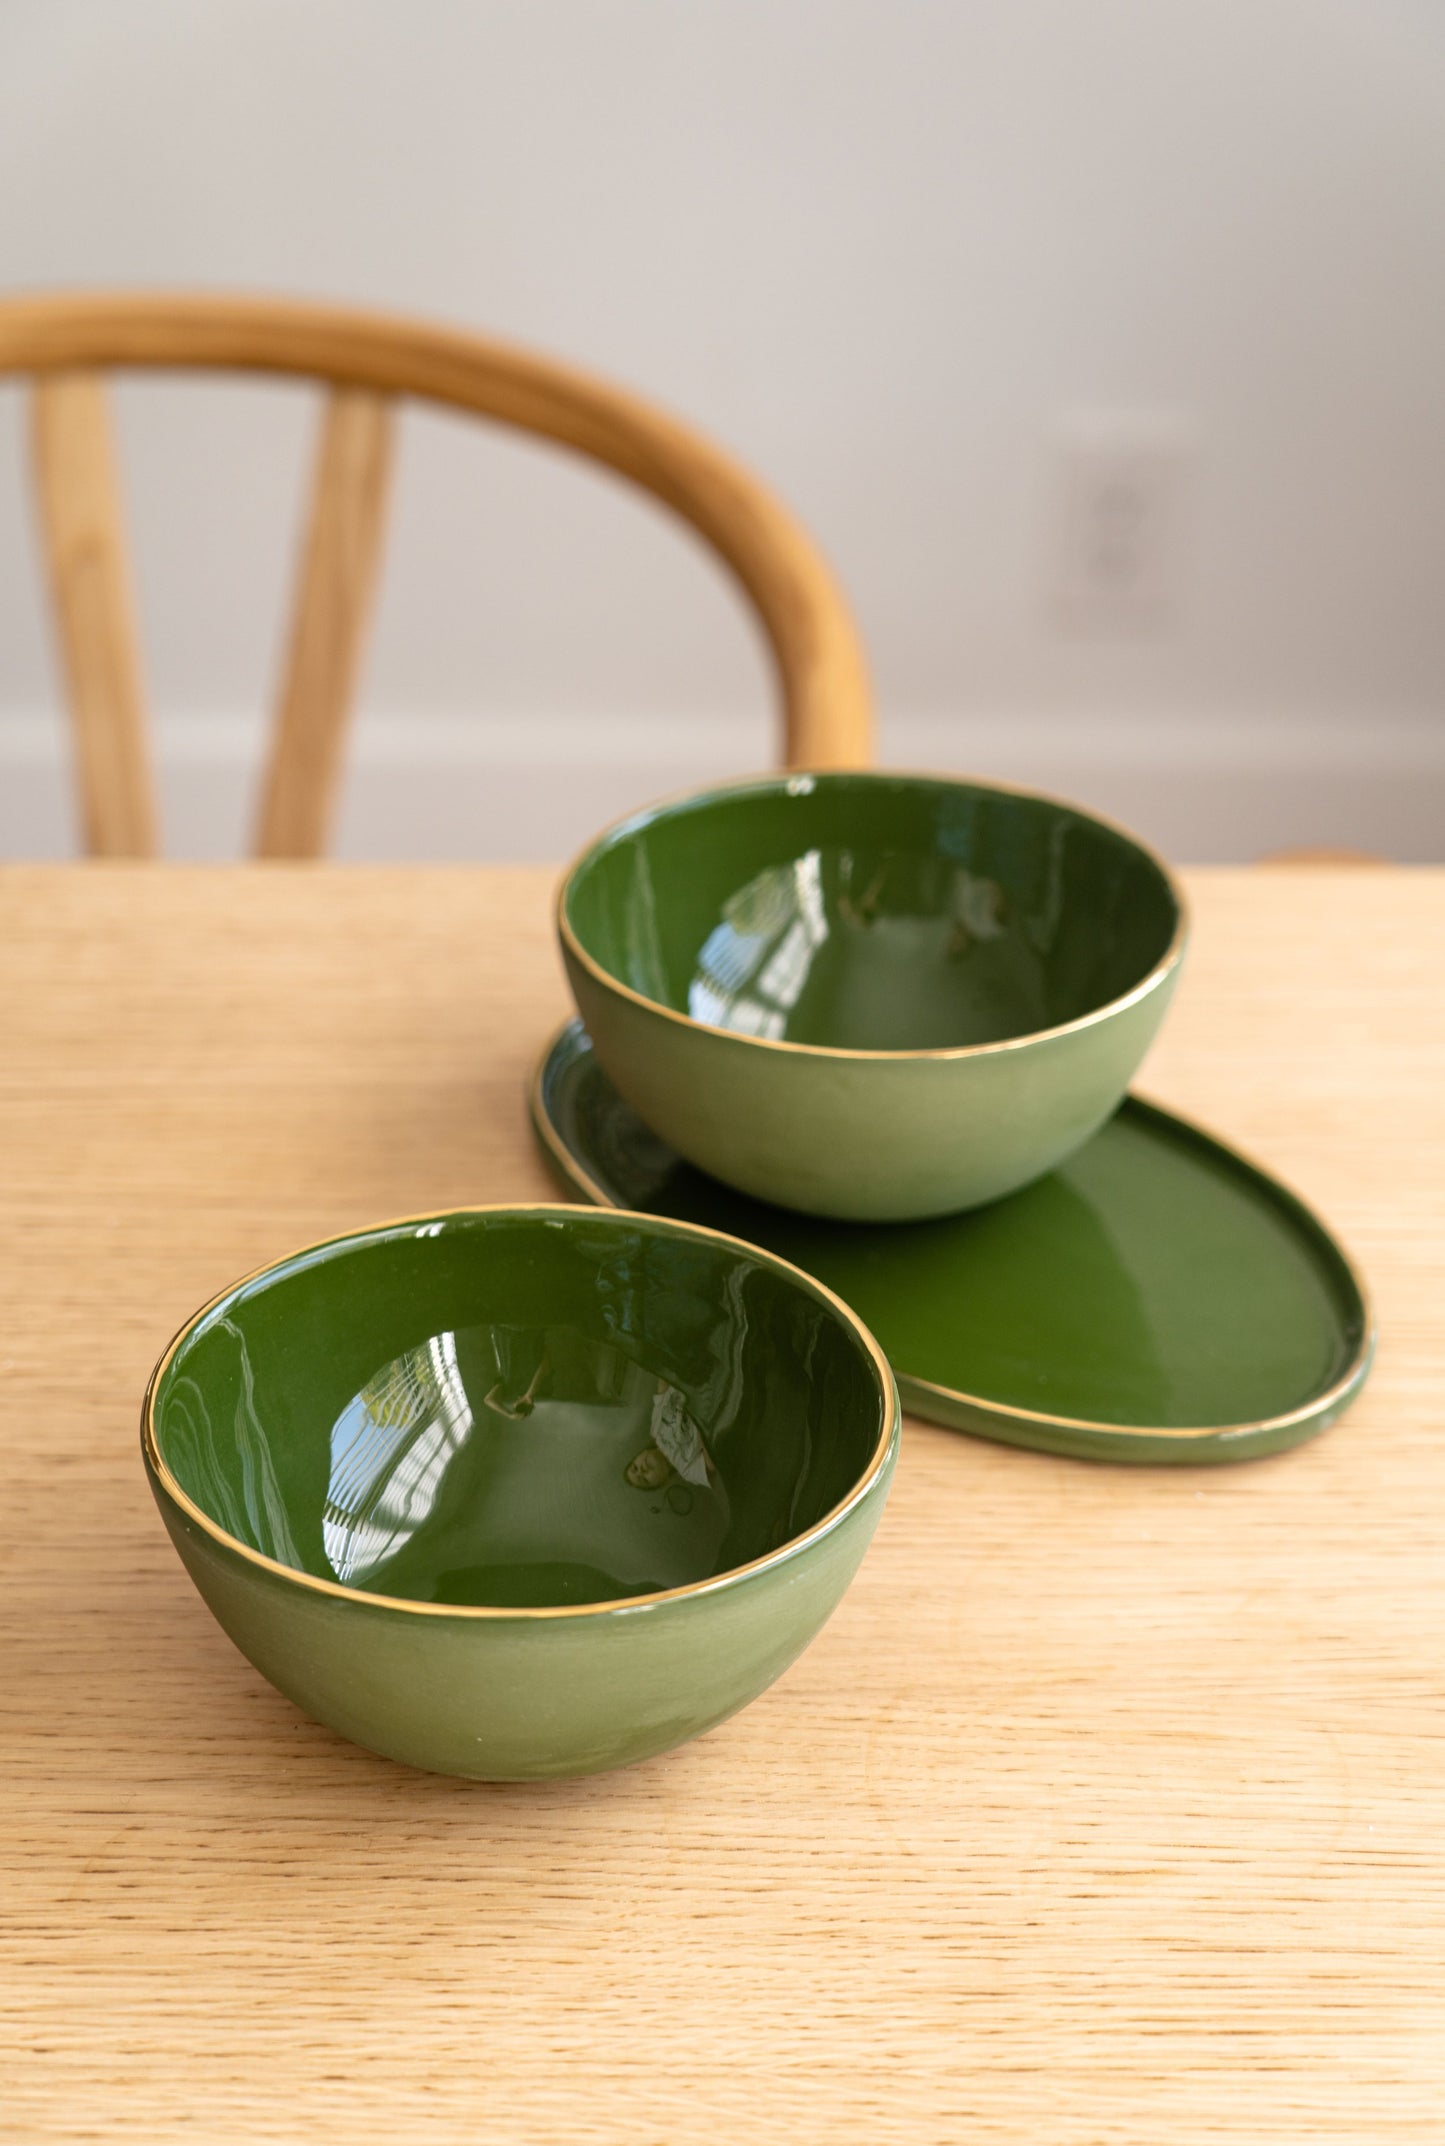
<point x="876" y="996"/>
<point x="522" y="1491"/>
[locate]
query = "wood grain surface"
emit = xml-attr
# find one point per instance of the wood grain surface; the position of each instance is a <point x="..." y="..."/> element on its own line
<point x="1109" y="1808"/>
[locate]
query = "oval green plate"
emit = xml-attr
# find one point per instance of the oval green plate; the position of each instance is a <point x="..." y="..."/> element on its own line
<point x="1156" y="1299"/>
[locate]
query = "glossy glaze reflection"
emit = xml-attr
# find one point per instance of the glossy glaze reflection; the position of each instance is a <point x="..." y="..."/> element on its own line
<point x="875" y="913"/>
<point x="692" y="1413"/>
<point x="579" y="1476"/>
<point x="1153" y="1288"/>
<point x="522" y="1492"/>
<point x="497" y="1464"/>
<point x="870" y="996"/>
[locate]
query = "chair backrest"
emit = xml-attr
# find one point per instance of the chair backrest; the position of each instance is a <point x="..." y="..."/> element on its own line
<point x="367" y="361"/>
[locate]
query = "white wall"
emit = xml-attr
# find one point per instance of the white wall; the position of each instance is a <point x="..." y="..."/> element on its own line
<point x="884" y="249"/>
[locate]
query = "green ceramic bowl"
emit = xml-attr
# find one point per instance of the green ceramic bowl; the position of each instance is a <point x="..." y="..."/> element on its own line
<point x="522" y="1491"/>
<point x="876" y="996"/>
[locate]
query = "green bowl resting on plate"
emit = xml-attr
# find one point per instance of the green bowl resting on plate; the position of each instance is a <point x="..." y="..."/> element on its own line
<point x="870" y="996"/>
<point x="1156" y="1298"/>
<point x="522" y="1491"/>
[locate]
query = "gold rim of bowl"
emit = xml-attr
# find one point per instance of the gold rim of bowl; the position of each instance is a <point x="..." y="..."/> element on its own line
<point x="796" y="781"/>
<point x="887" y="1435"/>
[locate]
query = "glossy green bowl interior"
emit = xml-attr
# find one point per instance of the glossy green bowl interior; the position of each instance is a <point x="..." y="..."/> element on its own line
<point x="520" y="1408"/>
<point x="872" y="912"/>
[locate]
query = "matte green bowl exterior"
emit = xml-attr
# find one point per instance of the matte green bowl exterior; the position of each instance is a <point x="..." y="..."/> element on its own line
<point x="534" y="1685"/>
<point x="867" y="1138"/>
<point x="513" y="1697"/>
<point x="868" y="1134"/>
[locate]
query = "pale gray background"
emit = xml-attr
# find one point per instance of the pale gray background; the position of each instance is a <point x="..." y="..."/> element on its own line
<point x="888" y="251"/>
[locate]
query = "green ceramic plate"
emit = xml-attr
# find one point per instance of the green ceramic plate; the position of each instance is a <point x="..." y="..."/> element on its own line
<point x="1158" y="1298"/>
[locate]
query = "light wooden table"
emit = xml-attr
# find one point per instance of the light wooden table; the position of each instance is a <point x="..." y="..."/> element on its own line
<point x="1109" y="1808"/>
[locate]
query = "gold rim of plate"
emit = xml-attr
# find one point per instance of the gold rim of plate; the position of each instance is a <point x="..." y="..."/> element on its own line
<point x="1322" y="1406"/>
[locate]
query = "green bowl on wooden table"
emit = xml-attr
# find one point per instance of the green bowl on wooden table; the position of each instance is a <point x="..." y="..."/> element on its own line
<point x="873" y="996"/>
<point x="522" y="1491"/>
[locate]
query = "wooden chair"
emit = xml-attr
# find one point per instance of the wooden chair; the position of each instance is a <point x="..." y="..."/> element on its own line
<point x="366" y="362"/>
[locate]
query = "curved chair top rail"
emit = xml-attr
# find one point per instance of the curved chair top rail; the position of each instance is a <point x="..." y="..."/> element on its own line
<point x="368" y="359"/>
